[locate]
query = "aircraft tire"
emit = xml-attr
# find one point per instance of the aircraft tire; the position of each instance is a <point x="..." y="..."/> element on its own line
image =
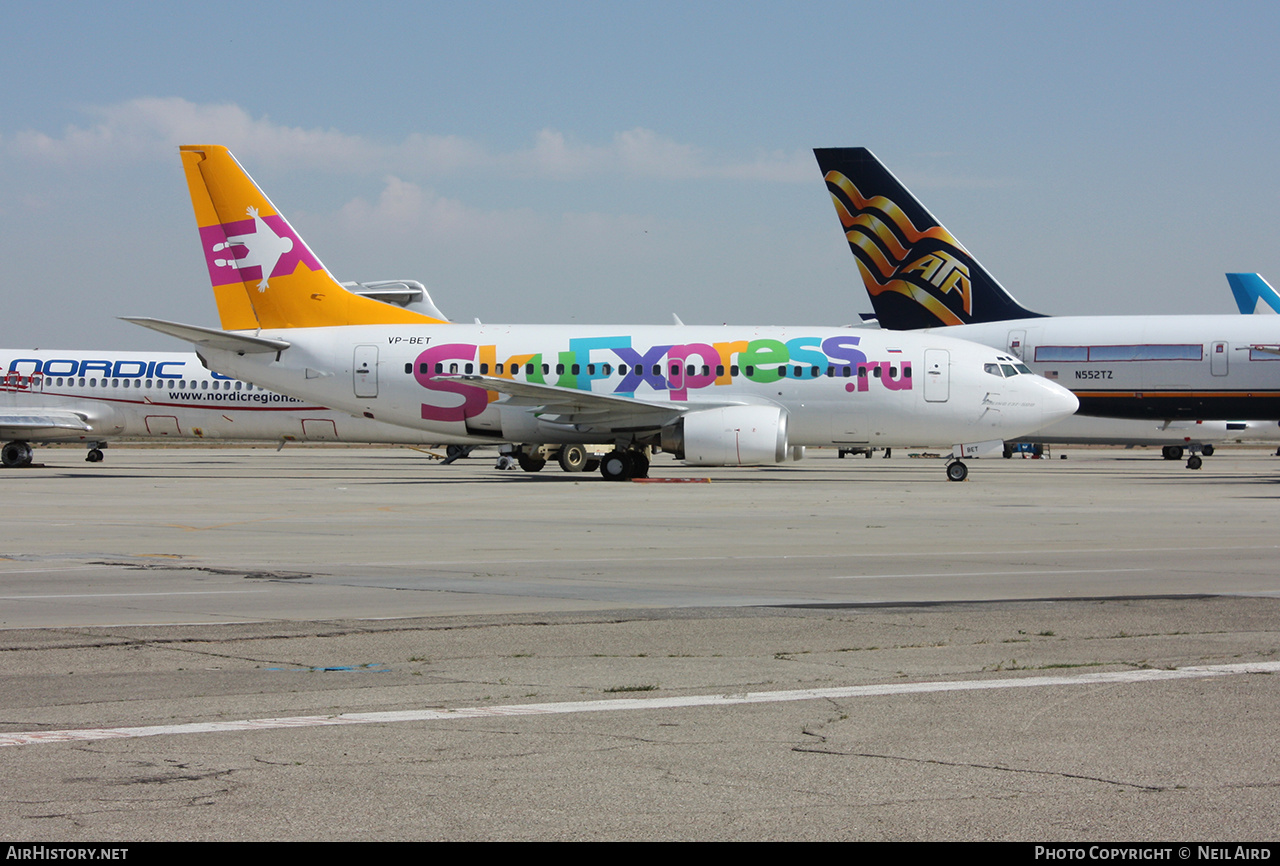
<point x="530" y="464"/>
<point x="616" y="466"/>
<point x="639" y="464"/>
<point x="1194" y="462"/>
<point x="1172" y="452"/>
<point x="572" y="458"/>
<point x="16" y="454"/>
<point x="94" y="456"/>
<point x="1207" y="450"/>
<point x="957" y="471"/>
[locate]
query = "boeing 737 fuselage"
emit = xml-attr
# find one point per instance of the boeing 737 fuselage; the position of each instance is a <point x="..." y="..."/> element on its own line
<point x="920" y="278"/>
<point x="94" y="397"/>
<point x="712" y="396"/>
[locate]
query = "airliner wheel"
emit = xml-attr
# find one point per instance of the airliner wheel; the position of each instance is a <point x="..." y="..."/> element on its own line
<point x="616" y="466"/>
<point x="16" y="454"/>
<point x="1207" y="450"/>
<point x="94" y="456"/>
<point x="1194" y="462"/>
<point x="957" y="471"/>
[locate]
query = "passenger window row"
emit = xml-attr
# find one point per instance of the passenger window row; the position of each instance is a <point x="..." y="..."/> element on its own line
<point x="796" y="372"/>
<point x="180" y="384"/>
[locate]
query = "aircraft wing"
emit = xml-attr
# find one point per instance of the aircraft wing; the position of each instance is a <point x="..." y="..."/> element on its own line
<point x="558" y="405"/>
<point x="34" y="425"/>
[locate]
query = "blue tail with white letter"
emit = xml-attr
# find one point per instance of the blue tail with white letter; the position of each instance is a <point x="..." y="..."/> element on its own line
<point x="1251" y="291"/>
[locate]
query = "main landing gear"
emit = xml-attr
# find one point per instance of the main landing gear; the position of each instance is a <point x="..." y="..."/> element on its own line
<point x="957" y="471"/>
<point x="1174" y="452"/>
<point x="625" y="464"/>
<point x="16" y="454"/>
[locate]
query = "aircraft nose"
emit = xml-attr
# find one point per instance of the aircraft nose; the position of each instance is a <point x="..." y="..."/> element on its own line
<point x="1057" y="402"/>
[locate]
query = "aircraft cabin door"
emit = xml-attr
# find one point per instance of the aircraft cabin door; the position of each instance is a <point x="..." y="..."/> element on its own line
<point x="937" y="375"/>
<point x="1017" y="344"/>
<point x="1218" y="358"/>
<point x="365" y="371"/>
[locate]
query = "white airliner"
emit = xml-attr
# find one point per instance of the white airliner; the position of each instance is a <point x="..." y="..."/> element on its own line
<point x="711" y="396"/>
<point x="1160" y="368"/>
<point x="94" y="397"/>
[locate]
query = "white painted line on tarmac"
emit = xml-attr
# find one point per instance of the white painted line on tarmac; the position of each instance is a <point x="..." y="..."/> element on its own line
<point x="5" y="572"/>
<point x="31" y="738"/>
<point x="132" y="594"/>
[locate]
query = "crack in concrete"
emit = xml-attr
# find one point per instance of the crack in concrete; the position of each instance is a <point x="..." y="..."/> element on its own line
<point x="976" y="766"/>
<point x="225" y="572"/>
<point x="90" y="640"/>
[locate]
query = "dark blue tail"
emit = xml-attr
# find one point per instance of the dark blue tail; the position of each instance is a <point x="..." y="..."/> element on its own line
<point x="917" y="274"/>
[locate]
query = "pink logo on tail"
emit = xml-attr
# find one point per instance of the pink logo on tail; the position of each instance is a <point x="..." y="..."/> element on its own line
<point x="257" y="248"/>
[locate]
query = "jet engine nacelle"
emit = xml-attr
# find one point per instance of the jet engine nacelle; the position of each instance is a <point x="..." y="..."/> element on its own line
<point x="729" y="436"/>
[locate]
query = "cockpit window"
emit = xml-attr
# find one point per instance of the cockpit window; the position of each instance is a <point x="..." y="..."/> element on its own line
<point x="1006" y="370"/>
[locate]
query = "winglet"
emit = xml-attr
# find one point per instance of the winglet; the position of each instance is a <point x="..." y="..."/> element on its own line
<point x="263" y="274"/>
<point x="917" y="274"/>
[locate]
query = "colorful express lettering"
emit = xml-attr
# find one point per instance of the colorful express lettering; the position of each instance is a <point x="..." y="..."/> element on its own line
<point x="625" y="370"/>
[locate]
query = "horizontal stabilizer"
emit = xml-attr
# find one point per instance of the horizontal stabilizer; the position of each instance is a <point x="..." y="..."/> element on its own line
<point x="243" y="344"/>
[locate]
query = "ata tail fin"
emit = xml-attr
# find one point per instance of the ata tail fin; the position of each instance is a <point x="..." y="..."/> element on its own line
<point x="263" y="273"/>
<point x="917" y="274"/>
<point x="1249" y="290"/>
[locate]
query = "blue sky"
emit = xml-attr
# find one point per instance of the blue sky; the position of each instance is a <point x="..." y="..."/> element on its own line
<point x="615" y="163"/>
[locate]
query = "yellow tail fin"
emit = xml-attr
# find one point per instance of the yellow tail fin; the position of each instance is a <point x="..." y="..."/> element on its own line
<point x="263" y="274"/>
